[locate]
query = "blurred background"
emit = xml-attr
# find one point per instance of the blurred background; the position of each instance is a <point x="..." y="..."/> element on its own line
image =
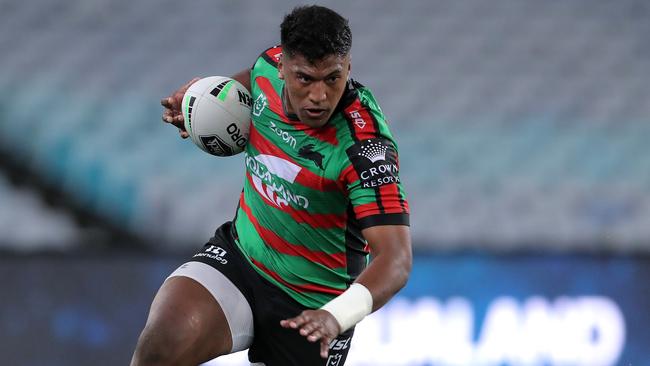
<point x="523" y="128"/>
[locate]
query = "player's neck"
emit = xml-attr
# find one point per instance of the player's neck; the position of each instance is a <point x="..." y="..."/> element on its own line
<point x="287" y="108"/>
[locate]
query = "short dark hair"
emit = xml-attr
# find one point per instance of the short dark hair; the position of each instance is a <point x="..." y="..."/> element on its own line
<point x="315" y="32"/>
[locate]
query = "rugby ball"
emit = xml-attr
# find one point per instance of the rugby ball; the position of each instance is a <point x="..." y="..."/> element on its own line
<point x="217" y="111"/>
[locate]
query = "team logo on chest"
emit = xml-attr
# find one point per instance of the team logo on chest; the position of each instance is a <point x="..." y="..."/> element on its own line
<point x="308" y="152"/>
<point x="270" y="175"/>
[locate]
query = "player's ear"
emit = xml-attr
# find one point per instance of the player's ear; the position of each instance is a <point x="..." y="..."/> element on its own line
<point x="280" y="69"/>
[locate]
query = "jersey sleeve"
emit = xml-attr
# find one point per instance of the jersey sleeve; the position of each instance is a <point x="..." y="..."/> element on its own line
<point x="373" y="183"/>
<point x="372" y="174"/>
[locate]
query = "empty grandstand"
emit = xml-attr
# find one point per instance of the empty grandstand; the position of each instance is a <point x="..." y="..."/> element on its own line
<point x="522" y="125"/>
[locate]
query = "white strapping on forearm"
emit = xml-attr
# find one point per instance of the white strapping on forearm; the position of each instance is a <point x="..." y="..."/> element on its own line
<point x="351" y="306"/>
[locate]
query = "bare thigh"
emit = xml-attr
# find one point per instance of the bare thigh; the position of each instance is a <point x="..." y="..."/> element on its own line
<point x="186" y="326"/>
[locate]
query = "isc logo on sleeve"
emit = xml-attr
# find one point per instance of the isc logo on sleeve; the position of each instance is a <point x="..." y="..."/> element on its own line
<point x="340" y="344"/>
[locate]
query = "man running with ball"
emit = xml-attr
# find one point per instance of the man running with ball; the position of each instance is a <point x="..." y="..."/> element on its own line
<point x="289" y="277"/>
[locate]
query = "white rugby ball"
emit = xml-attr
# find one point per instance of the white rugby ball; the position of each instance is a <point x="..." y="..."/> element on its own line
<point x="217" y="111"/>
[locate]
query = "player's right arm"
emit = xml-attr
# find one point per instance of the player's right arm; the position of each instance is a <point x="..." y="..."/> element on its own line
<point x="387" y="273"/>
<point x="172" y="104"/>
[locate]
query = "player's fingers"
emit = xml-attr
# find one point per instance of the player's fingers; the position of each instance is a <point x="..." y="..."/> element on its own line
<point x="308" y="328"/>
<point x="173" y="101"/>
<point x="183" y="134"/>
<point x="324" y="346"/>
<point x="167" y="102"/>
<point x="178" y="124"/>
<point x="289" y="323"/>
<point x="295" y="322"/>
<point x="167" y="116"/>
<point x="177" y="97"/>
<point x="315" y="335"/>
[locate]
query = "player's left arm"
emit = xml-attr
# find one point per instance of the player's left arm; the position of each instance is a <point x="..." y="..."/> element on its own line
<point x="388" y="272"/>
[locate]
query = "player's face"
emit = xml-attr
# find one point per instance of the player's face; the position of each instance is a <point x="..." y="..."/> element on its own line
<point x="312" y="91"/>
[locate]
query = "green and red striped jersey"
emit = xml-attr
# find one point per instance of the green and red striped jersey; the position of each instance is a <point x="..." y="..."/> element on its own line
<point x="309" y="192"/>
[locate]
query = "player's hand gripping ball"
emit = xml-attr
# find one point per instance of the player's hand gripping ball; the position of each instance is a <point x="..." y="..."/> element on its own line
<point x="216" y="110"/>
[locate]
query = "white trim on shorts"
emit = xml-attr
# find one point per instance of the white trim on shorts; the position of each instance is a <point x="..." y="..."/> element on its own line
<point x="235" y="307"/>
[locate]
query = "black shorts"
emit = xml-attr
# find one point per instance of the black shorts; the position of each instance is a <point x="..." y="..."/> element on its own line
<point x="272" y="345"/>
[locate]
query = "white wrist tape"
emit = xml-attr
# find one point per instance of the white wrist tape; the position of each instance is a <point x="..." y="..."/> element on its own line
<point x="351" y="306"/>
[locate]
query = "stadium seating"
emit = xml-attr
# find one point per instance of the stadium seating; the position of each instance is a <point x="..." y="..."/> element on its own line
<point x="27" y="224"/>
<point x="521" y="123"/>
